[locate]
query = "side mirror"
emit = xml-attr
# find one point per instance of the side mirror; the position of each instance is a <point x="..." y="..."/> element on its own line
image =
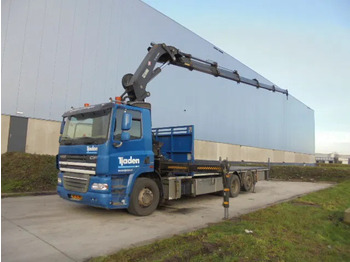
<point x="126" y="121"/>
<point x="62" y="125"/>
<point x="62" y="129"/>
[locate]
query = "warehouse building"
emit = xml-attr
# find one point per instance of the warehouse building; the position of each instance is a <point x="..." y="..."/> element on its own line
<point x="59" y="54"/>
<point x="332" y="158"/>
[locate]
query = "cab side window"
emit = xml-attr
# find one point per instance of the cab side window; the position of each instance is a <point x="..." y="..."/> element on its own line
<point x="136" y="127"/>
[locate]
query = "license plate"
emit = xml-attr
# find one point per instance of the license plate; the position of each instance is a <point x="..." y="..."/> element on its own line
<point x="77" y="197"/>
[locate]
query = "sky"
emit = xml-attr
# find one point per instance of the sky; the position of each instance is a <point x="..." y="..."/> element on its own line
<point x="302" y="46"/>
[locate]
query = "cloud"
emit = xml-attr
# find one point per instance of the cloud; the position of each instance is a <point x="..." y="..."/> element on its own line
<point x="328" y="142"/>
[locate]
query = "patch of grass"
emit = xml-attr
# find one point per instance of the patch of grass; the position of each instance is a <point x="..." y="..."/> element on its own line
<point x="21" y="172"/>
<point x="332" y="173"/>
<point x="309" y="228"/>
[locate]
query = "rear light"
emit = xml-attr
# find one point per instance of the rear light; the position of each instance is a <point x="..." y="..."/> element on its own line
<point x="86" y="105"/>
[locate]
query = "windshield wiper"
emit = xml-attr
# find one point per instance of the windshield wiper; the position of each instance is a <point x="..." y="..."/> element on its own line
<point x="82" y="141"/>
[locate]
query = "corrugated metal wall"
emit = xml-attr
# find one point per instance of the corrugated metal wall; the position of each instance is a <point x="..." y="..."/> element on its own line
<point x="62" y="53"/>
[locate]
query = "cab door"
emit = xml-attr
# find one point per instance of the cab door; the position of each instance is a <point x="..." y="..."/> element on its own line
<point x="128" y="156"/>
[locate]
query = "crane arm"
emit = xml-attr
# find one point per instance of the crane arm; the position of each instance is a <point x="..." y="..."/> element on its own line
<point x="135" y="84"/>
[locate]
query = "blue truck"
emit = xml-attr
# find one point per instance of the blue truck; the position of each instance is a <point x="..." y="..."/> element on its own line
<point x="111" y="157"/>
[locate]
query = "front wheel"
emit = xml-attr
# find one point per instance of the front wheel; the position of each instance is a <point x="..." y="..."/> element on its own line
<point x="144" y="197"/>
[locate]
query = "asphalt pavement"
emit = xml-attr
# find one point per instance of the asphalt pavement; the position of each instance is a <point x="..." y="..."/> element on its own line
<point x="47" y="228"/>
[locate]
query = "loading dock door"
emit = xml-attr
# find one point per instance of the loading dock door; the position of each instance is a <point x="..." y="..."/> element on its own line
<point x="17" y="134"/>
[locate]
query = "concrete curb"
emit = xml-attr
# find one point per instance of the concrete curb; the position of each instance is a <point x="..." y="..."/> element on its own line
<point x="43" y="193"/>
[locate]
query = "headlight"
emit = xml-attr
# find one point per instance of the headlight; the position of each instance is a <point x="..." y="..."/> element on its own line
<point x="99" y="186"/>
<point x="59" y="180"/>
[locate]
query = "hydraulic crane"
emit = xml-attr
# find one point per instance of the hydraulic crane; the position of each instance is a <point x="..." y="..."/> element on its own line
<point x="135" y="84"/>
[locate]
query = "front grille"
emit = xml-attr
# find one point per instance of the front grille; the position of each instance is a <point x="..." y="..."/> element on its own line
<point x="82" y="164"/>
<point x="79" y="158"/>
<point x="76" y="182"/>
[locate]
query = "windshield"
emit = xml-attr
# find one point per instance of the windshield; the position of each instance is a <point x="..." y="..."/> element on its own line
<point x="86" y="128"/>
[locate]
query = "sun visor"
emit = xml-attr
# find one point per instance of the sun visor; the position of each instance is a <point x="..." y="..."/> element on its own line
<point x="88" y="109"/>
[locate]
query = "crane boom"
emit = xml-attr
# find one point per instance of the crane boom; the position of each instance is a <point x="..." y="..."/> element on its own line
<point x="135" y="84"/>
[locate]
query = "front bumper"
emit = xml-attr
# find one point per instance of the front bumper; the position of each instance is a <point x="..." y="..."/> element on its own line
<point x="103" y="200"/>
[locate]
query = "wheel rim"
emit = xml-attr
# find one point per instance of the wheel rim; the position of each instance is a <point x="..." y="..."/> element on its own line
<point x="249" y="181"/>
<point x="145" y="197"/>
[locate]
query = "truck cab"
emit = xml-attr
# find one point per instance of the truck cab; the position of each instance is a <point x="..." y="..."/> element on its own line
<point x="103" y="149"/>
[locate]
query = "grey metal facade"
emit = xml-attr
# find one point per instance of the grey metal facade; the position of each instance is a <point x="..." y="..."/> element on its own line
<point x="62" y="53"/>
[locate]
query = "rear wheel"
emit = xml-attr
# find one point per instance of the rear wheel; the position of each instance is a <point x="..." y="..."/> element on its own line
<point x="235" y="186"/>
<point x="144" y="197"/>
<point x="248" y="181"/>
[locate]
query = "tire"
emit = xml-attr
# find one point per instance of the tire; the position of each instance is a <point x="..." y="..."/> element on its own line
<point x="235" y="186"/>
<point x="144" y="197"/>
<point x="248" y="181"/>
